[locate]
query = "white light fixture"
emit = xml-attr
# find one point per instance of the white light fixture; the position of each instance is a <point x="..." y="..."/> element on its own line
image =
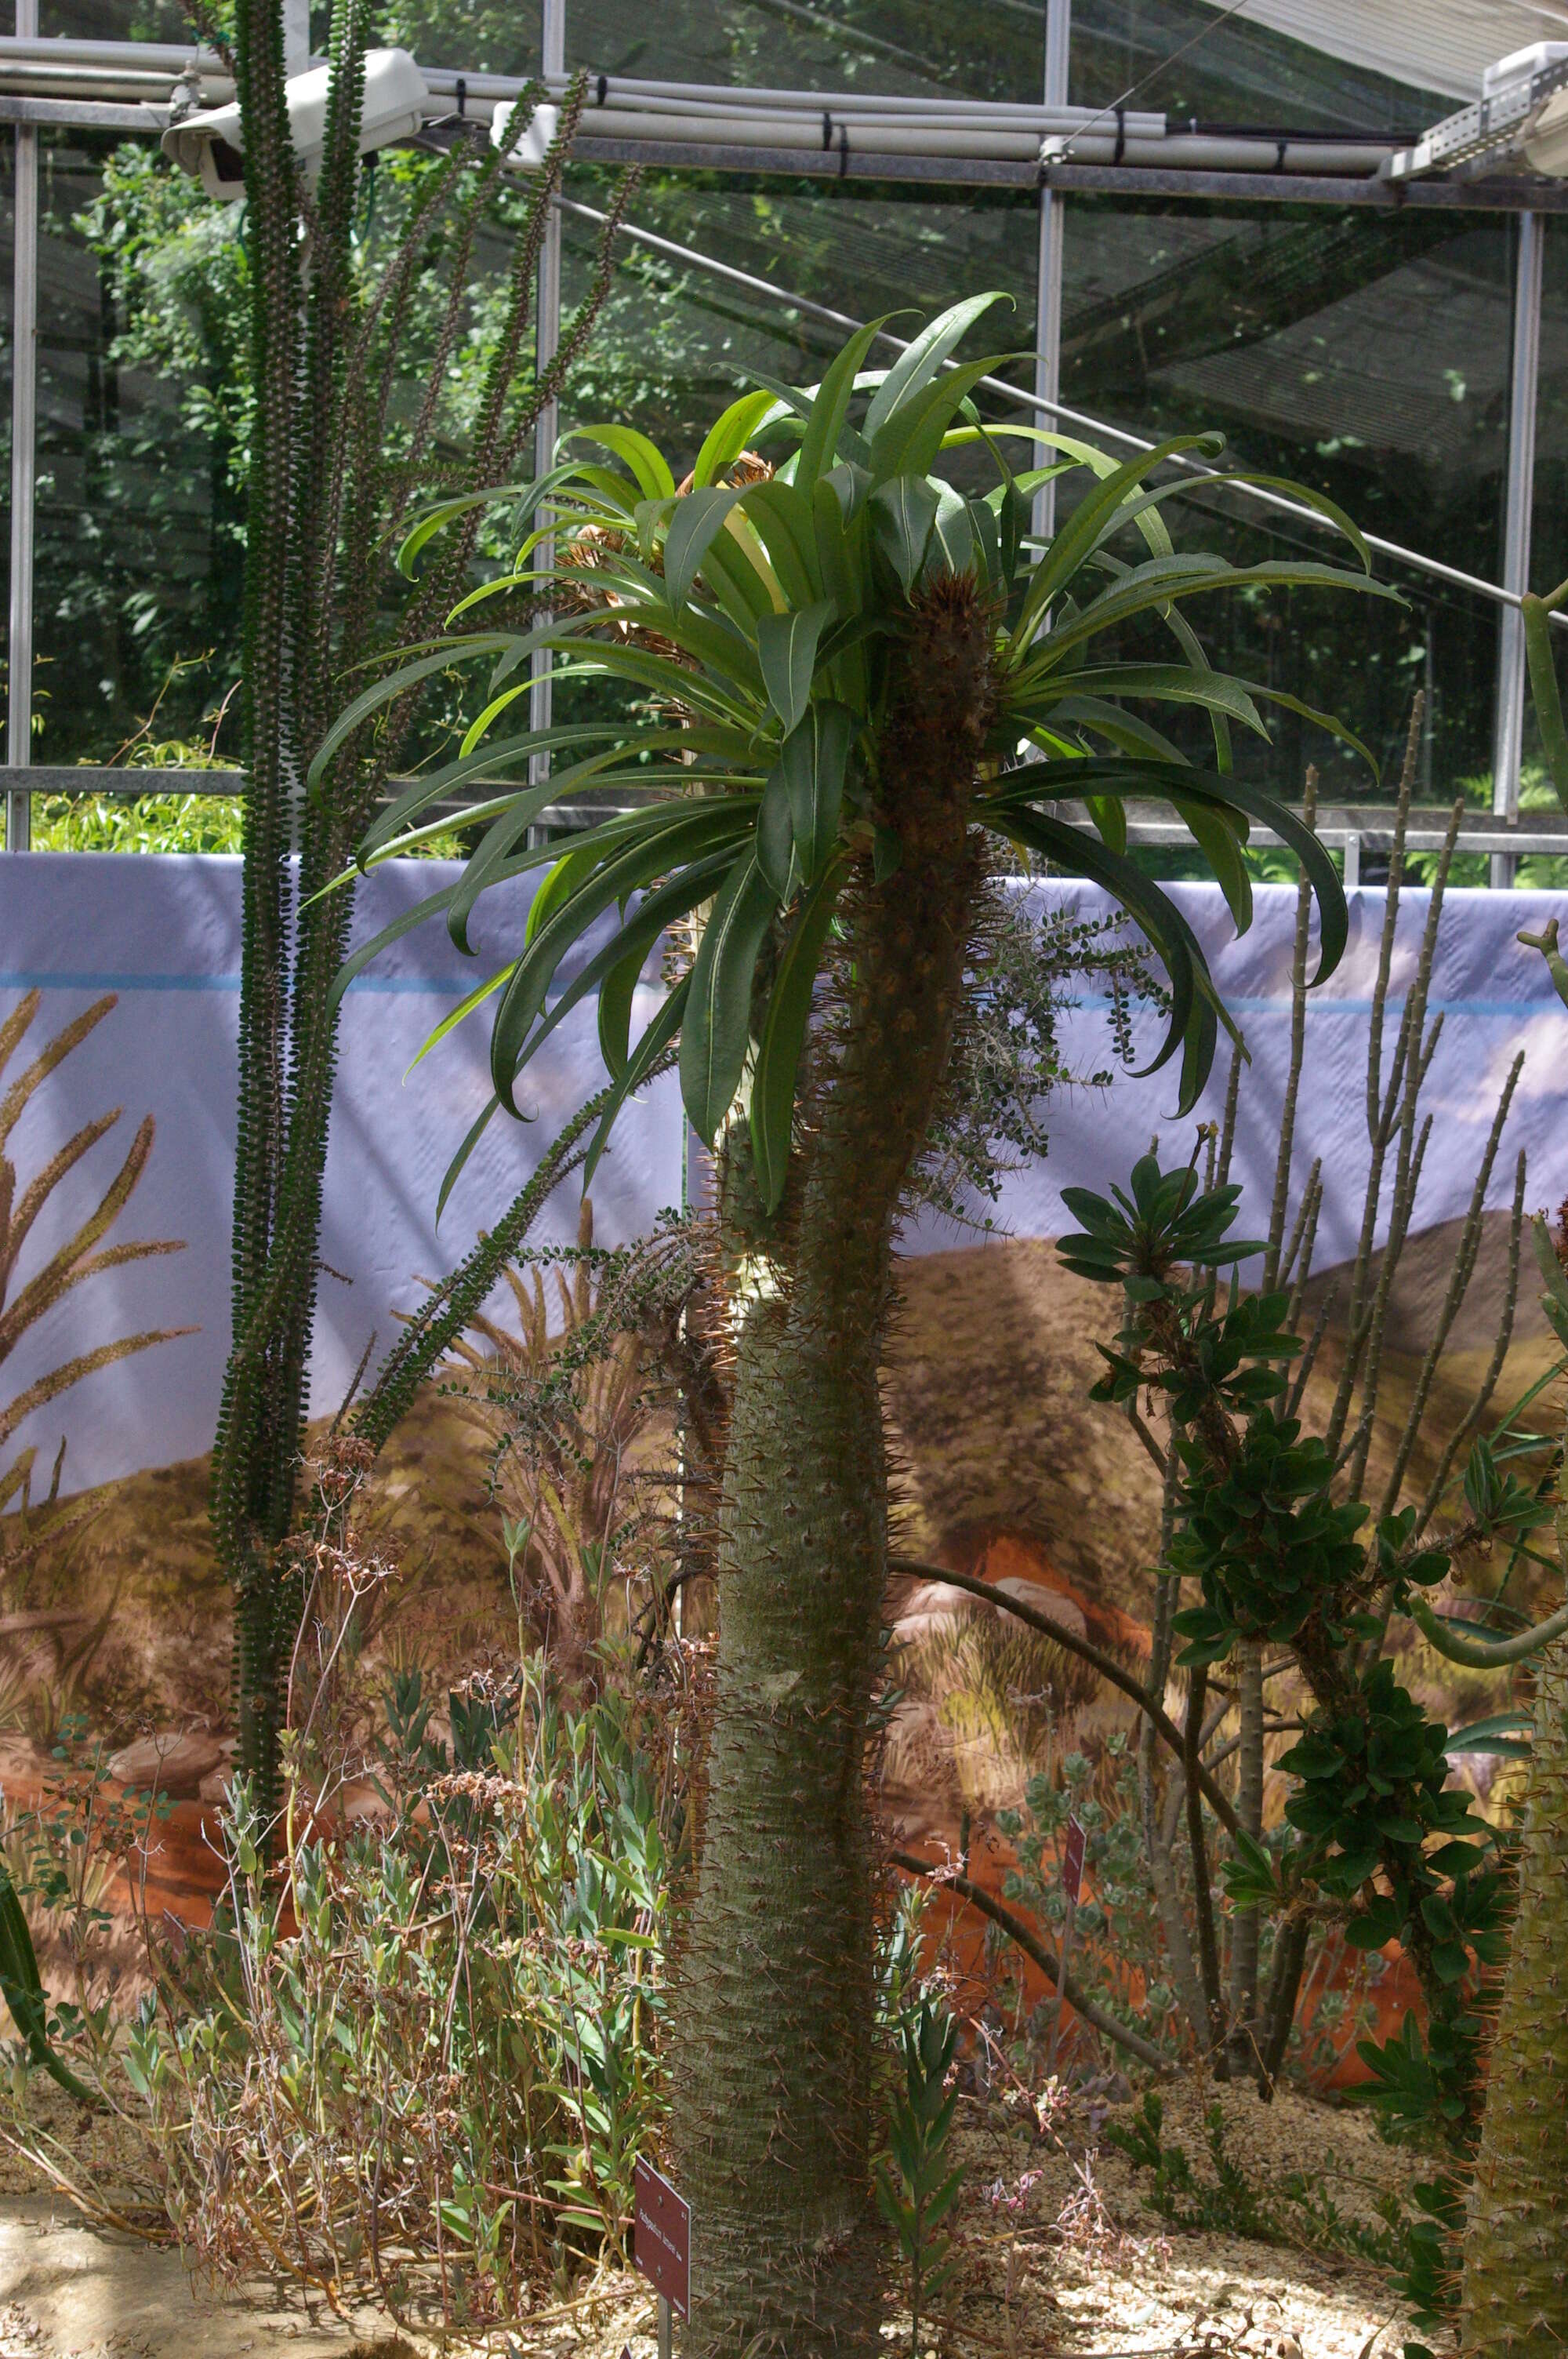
<point x="532" y="144"/>
<point x="396" y="101"/>
<point x="1518" y="118"/>
<point x="1546" y="138"/>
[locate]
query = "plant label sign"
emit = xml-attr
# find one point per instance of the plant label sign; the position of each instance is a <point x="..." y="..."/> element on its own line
<point x="1073" y="1861"/>
<point x="662" y="2238"/>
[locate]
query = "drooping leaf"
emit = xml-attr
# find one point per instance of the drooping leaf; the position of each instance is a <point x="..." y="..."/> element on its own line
<point x="903" y="513"/>
<point x="696" y="519"/>
<point x="646" y="459"/>
<point x="659" y="1036"/>
<point x="786" y="649"/>
<point x="730" y="434"/>
<point x="813" y="761"/>
<point x="784" y="1034"/>
<point x="717" y="1027"/>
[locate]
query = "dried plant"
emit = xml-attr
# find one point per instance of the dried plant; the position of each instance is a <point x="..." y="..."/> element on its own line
<point x="593" y="1438"/>
<point x="82" y="1256"/>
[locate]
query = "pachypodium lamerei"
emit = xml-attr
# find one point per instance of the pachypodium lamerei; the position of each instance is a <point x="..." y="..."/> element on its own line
<point x="843" y="682"/>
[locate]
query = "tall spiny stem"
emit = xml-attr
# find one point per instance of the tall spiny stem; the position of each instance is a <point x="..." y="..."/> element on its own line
<point x="322" y="498"/>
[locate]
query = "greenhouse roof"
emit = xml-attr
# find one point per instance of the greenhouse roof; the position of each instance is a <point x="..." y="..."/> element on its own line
<point x="1441" y="45"/>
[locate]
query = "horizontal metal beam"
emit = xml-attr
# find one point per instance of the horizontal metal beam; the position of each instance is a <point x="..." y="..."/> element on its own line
<point x="1500" y="196"/>
<point x="1426" y="828"/>
<point x="84" y="114"/>
<point x="1371" y="825"/>
<point x="85" y="779"/>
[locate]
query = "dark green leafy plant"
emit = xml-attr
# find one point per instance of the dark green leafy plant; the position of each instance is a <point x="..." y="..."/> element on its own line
<point x="759" y="610"/>
<point x="1382" y="1836"/>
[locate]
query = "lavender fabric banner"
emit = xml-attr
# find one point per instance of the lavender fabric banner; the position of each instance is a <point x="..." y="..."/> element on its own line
<point x="163" y="935"/>
<point x="1496" y="1000"/>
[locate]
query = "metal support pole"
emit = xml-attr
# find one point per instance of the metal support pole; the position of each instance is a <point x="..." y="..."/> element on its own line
<point x="24" y="460"/>
<point x="1526" y="369"/>
<point x="547" y="342"/>
<point x="1048" y="272"/>
<point x="296" y="36"/>
<point x="667" y="2330"/>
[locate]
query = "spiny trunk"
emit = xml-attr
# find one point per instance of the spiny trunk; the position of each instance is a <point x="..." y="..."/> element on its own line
<point x="773" y="2051"/>
<point x="1515" y="2298"/>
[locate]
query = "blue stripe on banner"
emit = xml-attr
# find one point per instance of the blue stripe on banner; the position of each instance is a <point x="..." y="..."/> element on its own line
<point x="430" y="987"/>
<point x="1317" y="1005"/>
<point x="25" y="980"/>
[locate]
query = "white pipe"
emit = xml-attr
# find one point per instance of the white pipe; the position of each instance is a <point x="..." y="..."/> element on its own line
<point x="1221" y="152"/>
<point x="805" y="133"/>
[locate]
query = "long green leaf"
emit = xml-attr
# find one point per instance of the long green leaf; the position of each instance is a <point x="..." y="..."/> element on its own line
<point x="646" y="459"/>
<point x="644" y="852"/>
<point x="639" y="1065"/>
<point x="927" y="354"/>
<point x="1149" y="587"/>
<point x="1197" y="1010"/>
<point x="783" y="519"/>
<point x="786" y="651"/>
<point x="23" y="1989"/>
<point x="1083" y="530"/>
<point x="1051" y="780"/>
<point x="629" y="949"/>
<point x="813" y="761"/>
<point x="696" y="519"/>
<point x="716" y="1030"/>
<point x="909" y="439"/>
<point x="902" y="513"/>
<point x="434" y="520"/>
<point x="447" y="658"/>
<point x="404" y="923"/>
<point x="829" y="409"/>
<point x="437" y="784"/>
<point x="783" y="1033"/>
<point x="730" y="433"/>
<point x="1169" y="684"/>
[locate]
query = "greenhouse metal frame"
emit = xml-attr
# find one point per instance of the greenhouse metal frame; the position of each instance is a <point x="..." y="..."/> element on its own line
<point x="1061" y="152"/>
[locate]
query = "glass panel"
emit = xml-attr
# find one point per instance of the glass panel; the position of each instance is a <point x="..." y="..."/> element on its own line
<point x="1549" y="523"/>
<point x="970" y="49"/>
<point x="1183" y="59"/>
<point x="1363" y="354"/>
<point x="140" y="511"/>
<point x="472" y="36"/>
<point x="8" y="354"/>
<point x="116" y="20"/>
<point x="484" y="36"/>
<point x="676" y="340"/>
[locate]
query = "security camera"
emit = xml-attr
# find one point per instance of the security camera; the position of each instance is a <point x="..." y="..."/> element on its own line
<point x="528" y="151"/>
<point x="396" y="101"/>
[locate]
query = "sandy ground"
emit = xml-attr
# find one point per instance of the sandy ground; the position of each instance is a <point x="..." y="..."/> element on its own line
<point x="1045" y="2267"/>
